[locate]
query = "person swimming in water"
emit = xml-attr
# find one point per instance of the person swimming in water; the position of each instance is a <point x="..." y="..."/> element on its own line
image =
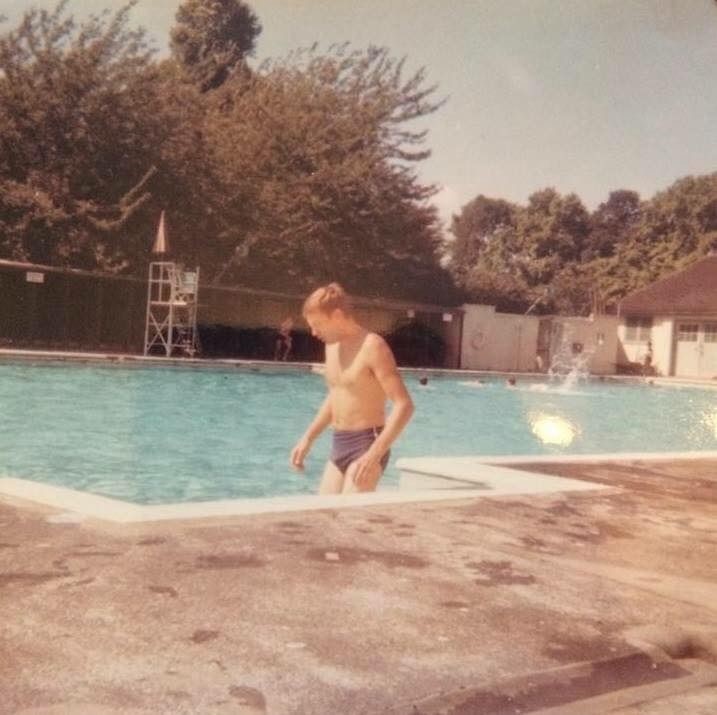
<point x="361" y="375"/>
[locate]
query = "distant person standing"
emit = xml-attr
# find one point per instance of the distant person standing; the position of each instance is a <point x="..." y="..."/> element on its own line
<point x="647" y="361"/>
<point x="283" y="341"/>
<point x="361" y="374"/>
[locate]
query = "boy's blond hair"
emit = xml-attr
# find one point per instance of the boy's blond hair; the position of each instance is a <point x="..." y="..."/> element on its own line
<point x="327" y="299"/>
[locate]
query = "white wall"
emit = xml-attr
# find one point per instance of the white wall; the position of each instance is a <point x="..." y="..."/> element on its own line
<point x="662" y="340"/>
<point x="598" y="335"/>
<point x="516" y="341"/>
<point x="629" y="351"/>
<point x="498" y="341"/>
<point x="508" y="342"/>
<point x="634" y="351"/>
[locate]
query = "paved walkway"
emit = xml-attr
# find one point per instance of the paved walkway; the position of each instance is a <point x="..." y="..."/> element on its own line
<point x="375" y="609"/>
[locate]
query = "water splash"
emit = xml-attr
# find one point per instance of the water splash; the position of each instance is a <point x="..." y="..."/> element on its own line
<point x="570" y="361"/>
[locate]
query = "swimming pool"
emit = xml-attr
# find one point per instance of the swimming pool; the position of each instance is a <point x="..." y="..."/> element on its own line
<point x="155" y="435"/>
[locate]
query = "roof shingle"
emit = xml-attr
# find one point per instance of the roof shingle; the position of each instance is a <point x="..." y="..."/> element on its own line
<point x="691" y="291"/>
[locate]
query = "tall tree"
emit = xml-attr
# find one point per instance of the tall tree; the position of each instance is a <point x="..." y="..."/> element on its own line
<point x="612" y="222"/>
<point x="552" y="231"/>
<point x="516" y="253"/>
<point x="212" y="38"/>
<point x="321" y="147"/>
<point x="76" y="139"/>
<point x="481" y="223"/>
<point x="676" y="227"/>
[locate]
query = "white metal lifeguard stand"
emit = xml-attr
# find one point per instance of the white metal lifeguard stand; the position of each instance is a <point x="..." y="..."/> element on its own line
<point x="172" y="293"/>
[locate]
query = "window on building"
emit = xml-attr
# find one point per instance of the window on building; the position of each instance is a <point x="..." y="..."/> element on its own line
<point x="711" y="332"/>
<point x="687" y="332"/>
<point x="638" y="329"/>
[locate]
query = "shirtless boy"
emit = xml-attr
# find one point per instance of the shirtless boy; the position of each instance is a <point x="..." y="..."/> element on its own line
<point x="361" y="375"/>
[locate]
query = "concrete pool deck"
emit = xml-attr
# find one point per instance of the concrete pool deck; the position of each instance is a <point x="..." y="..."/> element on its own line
<point x="594" y="601"/>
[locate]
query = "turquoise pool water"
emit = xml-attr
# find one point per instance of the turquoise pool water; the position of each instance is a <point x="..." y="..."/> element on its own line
<point x="158" y="435"/>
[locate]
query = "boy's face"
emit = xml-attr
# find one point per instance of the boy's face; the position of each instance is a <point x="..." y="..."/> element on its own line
<point x="323" y="325"/>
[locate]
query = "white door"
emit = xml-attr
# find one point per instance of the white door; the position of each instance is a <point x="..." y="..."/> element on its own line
<point x="687" y="354"/>
<point x="696" y="350"/>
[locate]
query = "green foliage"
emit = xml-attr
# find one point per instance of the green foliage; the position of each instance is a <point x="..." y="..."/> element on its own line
<point x="212" y="38"/>
<point x="76" y="140"/>
<point x="299" y="172"/>
<point x="501" y="288"/>
<point x="573" y="262"/>
<point x="612" y="222"/>
<point x="415" y="343"/>
<point x="484" y="226"/>
<point x="677" y="226"/>
<point x="510" y="255"/>
<point x="319" y="145"/>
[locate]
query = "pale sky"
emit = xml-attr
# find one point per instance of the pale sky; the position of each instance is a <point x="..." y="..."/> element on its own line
<point x="583" y="95"/>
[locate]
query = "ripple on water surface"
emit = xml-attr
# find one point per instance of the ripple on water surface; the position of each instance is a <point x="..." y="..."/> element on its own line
<point x="156" y="435"/>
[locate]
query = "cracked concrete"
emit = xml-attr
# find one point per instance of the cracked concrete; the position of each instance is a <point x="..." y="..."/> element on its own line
<point x="353" y="611"/>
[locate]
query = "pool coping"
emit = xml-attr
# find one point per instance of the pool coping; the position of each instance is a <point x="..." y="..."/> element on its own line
<point x="77" y="505"/>
<point x="256" y="365"/>
<point x="410" y="462"/>
<point x="449" y="484"/>
<point x="248" y="364"/>
<point x="419" y="471"/>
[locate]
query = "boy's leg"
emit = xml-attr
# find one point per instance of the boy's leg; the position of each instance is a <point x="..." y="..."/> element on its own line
<point x="332" y="481"/>
<point x="370" y="479"/>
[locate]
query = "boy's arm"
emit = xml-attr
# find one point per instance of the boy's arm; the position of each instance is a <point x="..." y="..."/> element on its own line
<point x="383" y="365"/>
<point x="320" y="422"/>
<point x="317" y="426"/>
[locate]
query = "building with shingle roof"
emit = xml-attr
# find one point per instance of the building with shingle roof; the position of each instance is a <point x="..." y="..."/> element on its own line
<point x="673" y="321"/>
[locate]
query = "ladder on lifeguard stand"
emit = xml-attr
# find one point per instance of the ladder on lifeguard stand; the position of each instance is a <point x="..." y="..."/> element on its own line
<point x="171" y="322"/>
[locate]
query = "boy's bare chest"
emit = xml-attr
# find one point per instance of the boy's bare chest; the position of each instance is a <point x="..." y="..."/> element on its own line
<point x="346" y="370"/>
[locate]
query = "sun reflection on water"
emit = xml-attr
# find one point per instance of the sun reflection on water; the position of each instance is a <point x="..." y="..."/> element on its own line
<point x="552" y="429"/>
<point x="710" y="421"/>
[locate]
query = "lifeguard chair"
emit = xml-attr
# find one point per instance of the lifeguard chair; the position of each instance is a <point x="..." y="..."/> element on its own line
<point x="172" y="292"/>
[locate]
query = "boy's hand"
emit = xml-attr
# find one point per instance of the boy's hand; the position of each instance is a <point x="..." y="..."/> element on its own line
<point x="364" y="470"/>
<point x="298" y="454"/>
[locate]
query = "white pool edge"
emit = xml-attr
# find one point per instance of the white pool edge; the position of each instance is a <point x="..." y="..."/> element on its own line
<point x="424" y="479"/>
<point x="412" y="463"/>
<point x="447" y="472"/>
<point x="76" y="505"/>
<point x="89" y="506"/>
<point x="271" y="366"/>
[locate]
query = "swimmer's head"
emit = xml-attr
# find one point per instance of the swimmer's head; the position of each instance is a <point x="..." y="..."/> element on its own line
<point x="325" y="310"/>
<point x="327" y="299"/>
<point x="423" y="380"/>
<point x="511" y="381"/>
